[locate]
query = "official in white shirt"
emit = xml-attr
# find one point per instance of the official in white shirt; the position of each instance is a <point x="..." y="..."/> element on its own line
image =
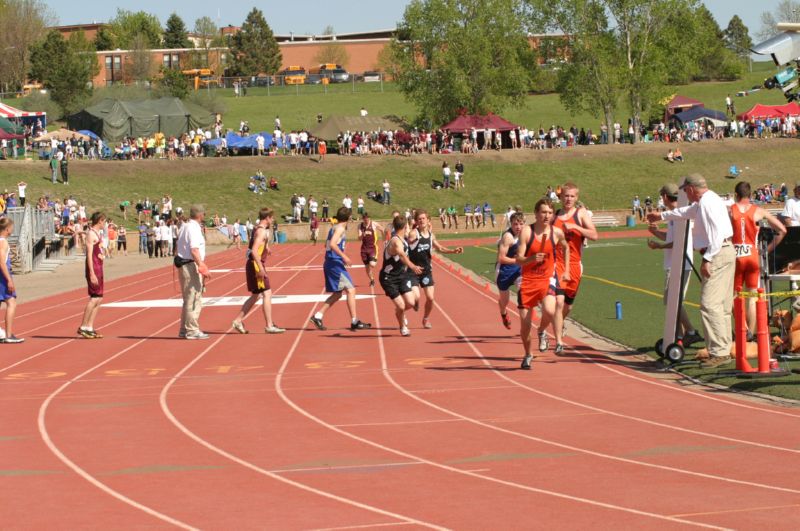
<point x="712" y="237"/>
<point x="791" y="210"/>
<point x="190" y="260"/>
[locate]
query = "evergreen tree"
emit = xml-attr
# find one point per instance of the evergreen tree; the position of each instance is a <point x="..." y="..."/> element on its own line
<point x="175" y="34"/>
<point x="65" y="67"/>
<point x="737" y="37"/>
<point x="254" y="49"/>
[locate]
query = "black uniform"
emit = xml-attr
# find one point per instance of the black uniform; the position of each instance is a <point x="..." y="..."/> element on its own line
<point x="394" y="277"/>
<point x="420" y="255"/>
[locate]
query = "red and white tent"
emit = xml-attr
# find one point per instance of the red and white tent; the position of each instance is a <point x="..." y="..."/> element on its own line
<point x="7" y="111"/>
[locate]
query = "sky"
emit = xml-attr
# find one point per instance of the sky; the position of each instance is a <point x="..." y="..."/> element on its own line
<point x="312" y="16"/>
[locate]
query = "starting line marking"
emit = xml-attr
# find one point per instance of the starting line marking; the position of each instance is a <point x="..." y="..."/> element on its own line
<point x="225" y="301"/>
<point x="284" y="269"/>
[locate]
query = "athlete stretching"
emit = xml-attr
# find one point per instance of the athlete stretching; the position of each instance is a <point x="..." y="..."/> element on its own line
<point x="508" y="272"/>
<point x="394" y="275"/>
<point x="368" y="233"/>
<point x="337" y="279"/>
<point x="577" y="225"/>
<point x="421" y="241"/>
<point x="536" y="255"/>
<point x="745" y="218"/>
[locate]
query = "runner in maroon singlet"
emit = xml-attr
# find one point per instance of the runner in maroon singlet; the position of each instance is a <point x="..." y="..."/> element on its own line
<point x="94" y="276"/>
<point x="368" y="233"/>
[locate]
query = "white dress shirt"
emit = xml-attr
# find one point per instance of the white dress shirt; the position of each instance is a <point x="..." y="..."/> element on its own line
<point x="792" y="211"/>
<point x="191" y="237"/>
<point x="712" y="223"/>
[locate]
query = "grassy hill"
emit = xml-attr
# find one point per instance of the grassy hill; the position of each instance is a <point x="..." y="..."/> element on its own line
<point x="608" y="176"/>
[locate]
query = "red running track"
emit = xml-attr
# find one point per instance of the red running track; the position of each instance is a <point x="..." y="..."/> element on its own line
<point x="341" y="430"/>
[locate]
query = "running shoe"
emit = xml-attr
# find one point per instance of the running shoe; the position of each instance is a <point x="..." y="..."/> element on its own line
<point x="274" y="330"/>
<point x="12" y="339"/>
<point x="359" y="325"/>
<point x="197" y="335"/>
<point x="86" y="334"/>
<point x="559" y="349"/>
<point x="239" y="327"/>
<point x="506" y="320"/>
<point x="318" y="323"/>
<point x="526" y="362"/>
<point x="97" y="335"/>
<point x="405" y="332"/>
<point x="543" y="342"/>
<point x="426" y="323"/>
<point x="181" y="335"/>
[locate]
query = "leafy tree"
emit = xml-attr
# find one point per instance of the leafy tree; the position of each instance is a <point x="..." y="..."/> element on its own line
<point x="124" y="28"/>
<point x="175" y="34"/>
<point x="591" y="80"/>
<point x="104" y="39"/>
<point x="207" y="32"/>
<point x="23" y="23"/>
<point x="65" y="68"/>
<point x="737" y="38"/>
<point x="786" y="11"/>
<point x="139" y="64"/>
<point x="332" y="53"/>
<point x="470" y="55"/>
<point x="172" y="82"/>
<point x="254" y="49"/>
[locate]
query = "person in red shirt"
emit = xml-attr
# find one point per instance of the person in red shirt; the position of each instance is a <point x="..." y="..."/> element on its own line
<point x="94" y="276"/>
<point x="369" y="232"/>
<point x="576" y="223"/>
<point x="745" y="218"/>
<point x="536" y="255"/>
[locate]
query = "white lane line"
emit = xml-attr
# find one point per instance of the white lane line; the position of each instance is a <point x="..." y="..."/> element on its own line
<point x="210" y="302"/>
<point x="247" y="464"/>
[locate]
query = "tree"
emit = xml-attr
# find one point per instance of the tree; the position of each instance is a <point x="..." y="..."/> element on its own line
<point x="23" y="23"/>
<point x="786" y="11"/>
<point x="207" y="32"/>
<point x="737" y="38"/>
<point x="590" y="81"/>
<point x="332" y="53"/>
<point x="139" y="64"/>
<point x="254" y="49"/>
<point x="175" y="34"/>
<point x="172" y="83"/>
<point x="124" y="28"/>
<point x="104" y="39"/>
<point x="65" y="68"/>
<point x="470" y="55"/>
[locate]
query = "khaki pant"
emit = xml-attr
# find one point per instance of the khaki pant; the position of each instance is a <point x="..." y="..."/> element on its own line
<point x="716" y="302"/>
<point x="192" y="291"/>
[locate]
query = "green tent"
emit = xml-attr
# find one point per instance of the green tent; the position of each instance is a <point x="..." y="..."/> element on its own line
<point x="330" y="127"/>
<point x="112" y="120"/>
<point x="10" y="127"/>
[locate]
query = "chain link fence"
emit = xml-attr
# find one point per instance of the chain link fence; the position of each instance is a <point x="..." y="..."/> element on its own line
<point x="278" y="85"/>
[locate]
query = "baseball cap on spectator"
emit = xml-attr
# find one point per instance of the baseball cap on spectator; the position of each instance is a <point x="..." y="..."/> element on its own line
<point x="695" y="179"/>
<point x="669" y="189"/>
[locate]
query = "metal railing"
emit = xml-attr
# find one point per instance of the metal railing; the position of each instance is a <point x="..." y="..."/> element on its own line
<point x="32" y="230"/>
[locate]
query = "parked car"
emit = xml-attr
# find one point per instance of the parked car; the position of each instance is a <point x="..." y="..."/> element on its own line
<point x="371" y="77"/>
<point x="314" y="79"/>
<point x="262" y="81"/>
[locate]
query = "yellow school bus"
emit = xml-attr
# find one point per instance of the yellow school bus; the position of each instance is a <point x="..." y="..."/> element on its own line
<point x="201" y="77"/>
<point x="293" y="75"/>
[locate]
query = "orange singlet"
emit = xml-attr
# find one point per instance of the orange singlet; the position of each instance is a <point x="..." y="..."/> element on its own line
<point x="745" y="236"/>
<point x="538" y="278"/>
<point x="575" y="241"/>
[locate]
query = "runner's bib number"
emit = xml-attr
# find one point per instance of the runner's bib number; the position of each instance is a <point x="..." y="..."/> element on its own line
<point x="743" y="250"/>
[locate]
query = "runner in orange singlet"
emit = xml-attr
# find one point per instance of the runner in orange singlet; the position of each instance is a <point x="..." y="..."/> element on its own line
<point x="576" y="222"/>
<point x="536" y="255"/>
<point x="745" y="218"/>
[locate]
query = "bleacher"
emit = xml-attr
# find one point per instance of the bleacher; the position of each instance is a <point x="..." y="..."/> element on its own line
<point x="605" y="221"/>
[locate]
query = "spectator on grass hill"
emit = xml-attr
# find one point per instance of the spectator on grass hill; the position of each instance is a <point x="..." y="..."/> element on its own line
<point x="387" y="193"/>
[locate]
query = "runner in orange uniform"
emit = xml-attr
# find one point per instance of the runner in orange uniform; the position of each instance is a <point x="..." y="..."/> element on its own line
<point x="536" y="255"/>
<point x="745" y="218"/>
<point x="576" y="222"/>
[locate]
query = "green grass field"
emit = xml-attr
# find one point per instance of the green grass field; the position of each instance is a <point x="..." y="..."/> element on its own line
<point x="629" y="272"/>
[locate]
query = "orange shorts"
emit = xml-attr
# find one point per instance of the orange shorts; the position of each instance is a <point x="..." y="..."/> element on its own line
<point x="747" y="272"/>
<point x="533" y="292"/>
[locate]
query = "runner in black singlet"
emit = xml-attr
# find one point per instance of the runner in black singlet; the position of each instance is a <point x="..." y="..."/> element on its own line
<point x="421" y="242"/>
<point x="394" y="275"/>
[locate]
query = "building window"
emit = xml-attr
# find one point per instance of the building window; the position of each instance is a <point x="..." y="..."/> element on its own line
<point x="176" y="61"/>
<point x="167" y="63"/>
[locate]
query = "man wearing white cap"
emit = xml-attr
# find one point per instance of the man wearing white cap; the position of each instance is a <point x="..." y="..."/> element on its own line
<point x="712" y="236"/>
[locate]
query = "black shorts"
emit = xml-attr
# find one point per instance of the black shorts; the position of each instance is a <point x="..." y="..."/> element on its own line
<point x="396" y="287"/>
<point x="423" y="280"/>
